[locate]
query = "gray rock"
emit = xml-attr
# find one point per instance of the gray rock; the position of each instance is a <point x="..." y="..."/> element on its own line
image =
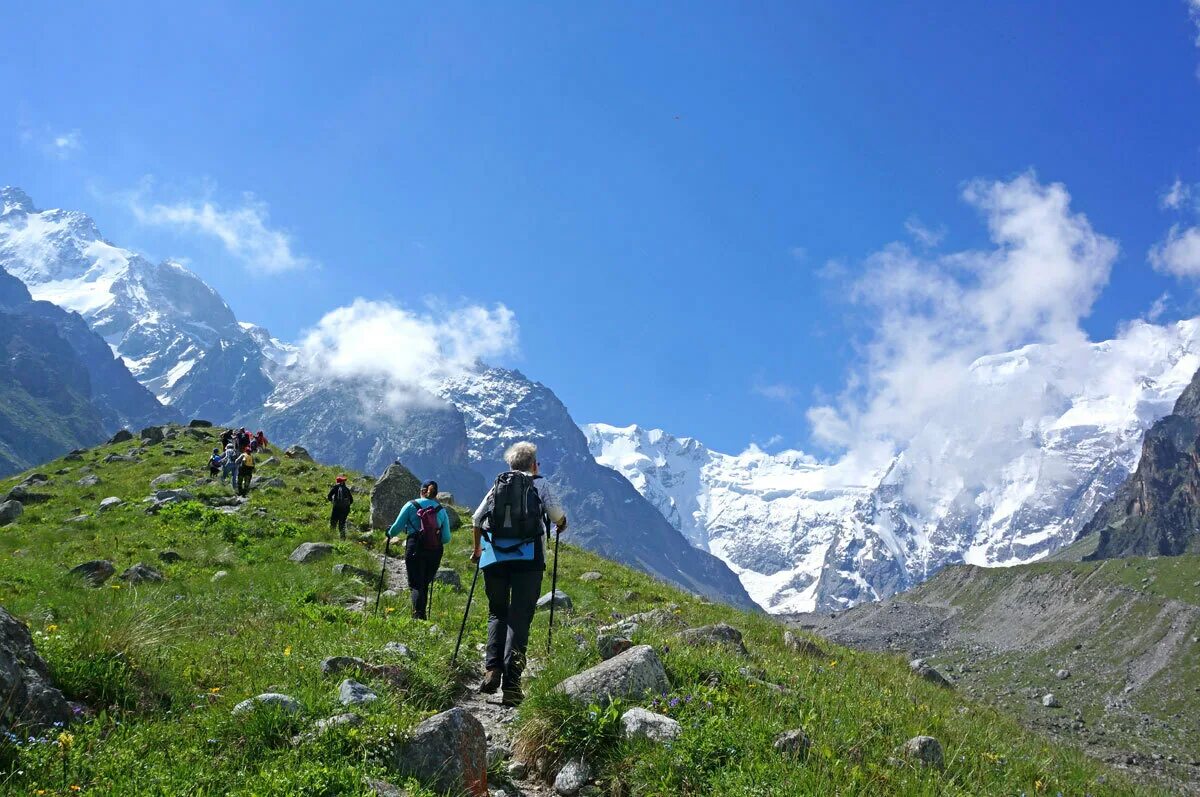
<point x="140" y="574"/>
<point x="638" y="723"/>
<point x="719" y="634"/>
<point x="921" y="668"/>
<point x="196" y="423"/>
<point x="298" y="452"/>
<point x="23" y="494"/>
<point x="924" y="751"/>
<point x="10" y="511"/>
<point x="633" y="674"/>
<point x="397" y="649"/>
<point x="123" y="436"/>
<point x="111" y="502"/>
<point x="217" y="576"/>
<point x="95" y="572"/>
<point x="270" y="461"/>
<point x="611" y="645"/>
<point x="447" y="752"/>
<point x="151" y="435"/>
<point x="381" y="788"/>
<point x="334" y="665"/>
<point x="310" y="552"/>
<point x="111" y="458"/>
<point x="571" y="779"/>
<point x="90" y="480"/>
<point x="274" y="481"/>
<point x="449" y="576"/>
<point x="793" y="743"/>
<point x="169" y="556"/>
<point x="164" y="479"/>
<point x="591" y="575"/>
<point x="78" y="518"/>
<point x="75" y="455"/>
<point x="354" y="572"/>
<point x="518" y="770"/>
<point x="805" y="647"/>
<point x="324" y="726"/>
<point x="455" y="519"/>
<point x="496" y="753"/>
<point x="285" y="702"/>
<point x="445" y="499"/>
<point x="396" y="487"/>
<point x="1062" y="675"/>
<point x="34" y="478"/>
<point x="1050" y="701"/>
<point x="352" y="693"/>
<point x="29" y="697"/>
<point x="161" y="498"/>
<point x="662" y="617"/>
<point x="561" y="600"/>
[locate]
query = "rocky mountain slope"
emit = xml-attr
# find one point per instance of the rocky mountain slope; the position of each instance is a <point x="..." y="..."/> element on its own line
<point x="60" y="386"/>
<point x="213" y="645"/>
<point x="1116" y="644"/>
<point x="803" y="535"/>
<point x="1156" y="512"/>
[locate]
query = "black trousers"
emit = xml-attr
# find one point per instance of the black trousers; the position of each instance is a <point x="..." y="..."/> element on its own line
<point x="422" y="566"/>
<point x="337" y="519"/>
<point x="512" y="599"/>
<point x="244" y="477"/>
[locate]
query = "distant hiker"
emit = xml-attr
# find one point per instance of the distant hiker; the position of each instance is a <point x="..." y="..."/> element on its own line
<point x="341" y="497"/>
<point x="214" y="463"/>
<point x="427" y="525"/>
<point x="232" y="462"/>
<point x="261" y="440"/>
<point x="509" y="526"/>
<point x="226" y="438"/>
<point x="247" y="471"/>
<point x="243" y="439"/>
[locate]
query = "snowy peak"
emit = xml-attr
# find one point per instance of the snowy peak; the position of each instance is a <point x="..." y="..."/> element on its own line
<point x="14" y="200"/>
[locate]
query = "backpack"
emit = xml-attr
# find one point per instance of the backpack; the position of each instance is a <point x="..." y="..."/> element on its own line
<point x="429" y="528"/>
<point x="517" y="513"/>
<point x="342" y="497"/>
<point x="247" y="460"/>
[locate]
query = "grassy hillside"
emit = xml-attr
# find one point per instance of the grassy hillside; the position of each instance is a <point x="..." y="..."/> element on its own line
<point x="1117" y="642"/>
<point x="162" y="664"/>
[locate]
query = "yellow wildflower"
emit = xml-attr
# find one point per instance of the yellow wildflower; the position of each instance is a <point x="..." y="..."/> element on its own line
<point x="50" y="629"/>
<point x="390" y="609"/>
<point x="214" y="690"/>
<point x="287" y="651"/>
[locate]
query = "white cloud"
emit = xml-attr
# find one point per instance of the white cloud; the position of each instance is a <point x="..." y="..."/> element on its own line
<point x="925" y="236"/>
<point x="1179" y="254"/>
<point x="244" y="231"/>
<point x="1175" y="197"/>
<point x="773" y="441"/>
<point x="407" y="351"/>
<point x="1158" y="308"/>
<point x="932" y="320"/>
<point x="776" y="392"/>
<point x="52" y="143"/>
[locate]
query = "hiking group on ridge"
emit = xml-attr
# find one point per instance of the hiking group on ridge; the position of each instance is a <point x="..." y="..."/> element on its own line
<point x="237" y="461"/>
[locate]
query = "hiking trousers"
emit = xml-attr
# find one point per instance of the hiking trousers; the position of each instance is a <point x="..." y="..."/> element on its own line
<point x="245" y="474"/>
<point x="337" y="520"/>
<point x="422" y="565"/>
<point x="233" y="477"/>
<point x="512" y="599"/>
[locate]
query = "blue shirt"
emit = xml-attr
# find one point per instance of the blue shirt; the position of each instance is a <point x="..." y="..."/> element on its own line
<point x="408" y="522"/>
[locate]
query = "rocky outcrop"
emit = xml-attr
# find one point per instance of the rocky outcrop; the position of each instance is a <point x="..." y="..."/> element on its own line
<point x="30" y="700"/>
<point x="447" y="753"/>
<point x="395" y="488"/>
<point x="630" y="675"/>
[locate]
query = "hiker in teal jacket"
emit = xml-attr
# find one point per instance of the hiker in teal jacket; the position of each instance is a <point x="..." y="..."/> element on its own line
<point x="422" y="556"/>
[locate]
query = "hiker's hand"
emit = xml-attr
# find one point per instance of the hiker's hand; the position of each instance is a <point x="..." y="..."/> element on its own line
<point x="475" y="557"/>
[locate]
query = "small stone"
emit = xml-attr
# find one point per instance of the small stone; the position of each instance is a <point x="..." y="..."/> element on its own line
<point x="611" y="645"/>
<point x="95" y="572"/>
<point x="90" y="480"/>
<point x="381" y="788"/>
<point x="719" y="634"/>
<point x="285" y="702"/>
<point x="802" y="646"/>
<point x="170" y="557"/>
<point x="298" y="452"/>
<point x="140" y="574"/>
<point x="639" y="723"/>
<point x="354" y="572"/>
<point x="397" y="649"/>
<point x="497" y="753"/>
<point x="275" y="481"/>
<point x="352" y="693"/>
<point x="324" y="726"/>
<point x="164" y="479"/>
<point x="561" y="600"/>
<point x="793" y="743"/>
<point x="921" y="668"/>
<point x="23" y="494"/>
<point x="924" y="751"/>
<point x="75" y="456"/>
<point x="591" y="575"/>
<point x="310" y="552"/>
<point x="446" y="499"/>
<point x="518" y="770"/>
<point x="10" y="511"/>
<point x="1050" y="701"/>
<point x="217" y="576"/>
<point x="334" y="665"/>
<point x="572" y="777"/>
<point x="1062" y="675"/>
<point x="110" y="503"/>
<point x="449" y="576"/>
<point x="78" y="518"/>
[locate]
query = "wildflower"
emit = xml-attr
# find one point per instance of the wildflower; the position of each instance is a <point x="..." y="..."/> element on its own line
<point x="114" y="586"/>
<point x="76" y="788"/>
<point x="214" y="690"/>
<point x="65" y="740"/>
<point x="40" y="791"/>
<point x="50" y="629"/>
<point x="287" y="651"/>
<point x="390" y="609"/>
<point x="833" y="663"/>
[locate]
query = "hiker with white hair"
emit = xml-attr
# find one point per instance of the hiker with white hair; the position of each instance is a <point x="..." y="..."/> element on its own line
<point x="509" y="528"/>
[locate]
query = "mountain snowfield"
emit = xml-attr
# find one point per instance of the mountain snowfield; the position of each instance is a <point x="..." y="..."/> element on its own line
<point x="805" y="536"/>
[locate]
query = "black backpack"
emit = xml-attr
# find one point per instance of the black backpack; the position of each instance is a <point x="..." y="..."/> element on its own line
<point x="517" y="513"/>
<point x="342" y="497"/>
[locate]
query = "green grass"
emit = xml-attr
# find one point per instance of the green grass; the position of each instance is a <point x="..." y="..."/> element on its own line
<point x="163" y="664"/>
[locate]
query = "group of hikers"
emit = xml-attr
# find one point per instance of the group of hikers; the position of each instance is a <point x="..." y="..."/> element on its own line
<point x="235" y="460"/>
<point x="509" y="528"/>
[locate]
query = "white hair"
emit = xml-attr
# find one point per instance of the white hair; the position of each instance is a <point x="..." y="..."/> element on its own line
<point x="521" y="456"/>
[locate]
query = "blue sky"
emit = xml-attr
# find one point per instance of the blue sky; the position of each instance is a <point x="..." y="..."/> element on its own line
<point x="673" y="200"/>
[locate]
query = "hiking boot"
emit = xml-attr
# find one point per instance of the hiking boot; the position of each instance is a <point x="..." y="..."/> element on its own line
<point x="512" y="696"/>
<point x="491" y="682"/>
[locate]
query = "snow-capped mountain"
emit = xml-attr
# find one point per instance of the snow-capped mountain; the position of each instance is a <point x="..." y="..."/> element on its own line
<point x="805" y="536"/>
<point x="174" y="333"/>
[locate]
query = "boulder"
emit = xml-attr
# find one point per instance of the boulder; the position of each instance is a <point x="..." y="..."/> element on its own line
<point x="220" y="574"/>
<point x="285" y="702"/>
<point x="141" y="573"/>
<point x="123" y="436"/>
<point x="29" y="697"/>
<point x="560" y="599"/>
<point x="445" y="499"/>
<point x="75" y="456"/>
<point x="396" y="487"/>
<point x="310" y="552"/>
<point x="446" y="753"/>
<point x="805" y="647"/>
<point x="34" y="478"/>
<point x="638" y="723"/>
<point x="794" y="743"/>
<point x="921" y="668"/>
<point x="95" y="572"/>
<point x="10" y="511"/>
<point x="611" y="645"/>
<point x="273" y="481"/>
<point x="518" y="770"/>
<point x="196" y="423"/>
<point x="169" y="556"/>
<point x="719" y="634"/>
<point x="90" y="480"/>
<point x="333" y="665"/>
<point x="924" y="751"/>
<point x="164" y="479"/>
<point x="111" y="458"/>
<point x="455" y="519"/>
<point x="664" y="617"/>
<point x="110" y="503"/>
<point x="298" y="452"/>
<point x="1050" y="701"/>
<point x="352" y="693"/>
<point x="151" y="435"/>
<point x="397" y="649"/>
<point x="354" y="572"/>
<point x="591" y="575"/>
<point x="571" y="779"/>
<point x="324" y="726"/>
<point x="1062" y="675"/>
<point x="449" y="576"/>
<point x="633" y="674"/>
<point x="23" y="494"/>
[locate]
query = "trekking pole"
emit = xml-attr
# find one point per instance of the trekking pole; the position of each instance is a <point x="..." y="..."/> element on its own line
<point x="553" y="593"/>
<point x="387" y="547"/>
<point x="462" y="628"/>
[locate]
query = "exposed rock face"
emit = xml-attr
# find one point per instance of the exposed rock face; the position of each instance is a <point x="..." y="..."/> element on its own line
<point x="30" y="700"/>
<point x="633" y="674"/>
<point x="1157" y="511"/>
<point x="447" y="752"/>
<point x="395" y="488"/>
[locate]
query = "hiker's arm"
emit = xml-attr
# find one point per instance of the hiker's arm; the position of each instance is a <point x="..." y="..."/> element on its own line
<point x="478" y="533"/>
<point x="477" y="522"/>
<point x="401" y="521"/>
<point x="554" y="510"/>
<point x="444" y="516"/>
